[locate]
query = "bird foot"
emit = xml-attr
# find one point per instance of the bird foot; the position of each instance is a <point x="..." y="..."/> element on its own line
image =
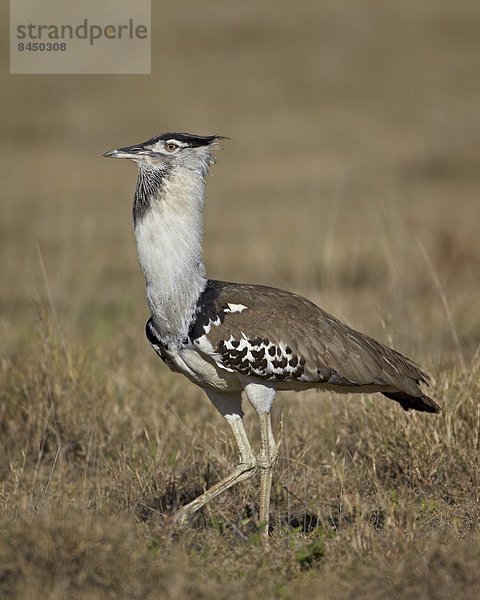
<point x="182" y="516"/>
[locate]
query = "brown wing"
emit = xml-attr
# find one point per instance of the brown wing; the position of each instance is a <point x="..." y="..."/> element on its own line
<point x="276" y="335"/>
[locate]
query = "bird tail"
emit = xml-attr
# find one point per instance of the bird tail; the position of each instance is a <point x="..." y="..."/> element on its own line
<point x="408" y="402"/>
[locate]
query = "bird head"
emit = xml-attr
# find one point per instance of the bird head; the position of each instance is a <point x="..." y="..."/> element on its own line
<point x="170" y="150"/>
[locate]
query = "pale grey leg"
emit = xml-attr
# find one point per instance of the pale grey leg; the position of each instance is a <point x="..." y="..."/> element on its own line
<point x="261" y="397"/>
<point x="230" y="405"/>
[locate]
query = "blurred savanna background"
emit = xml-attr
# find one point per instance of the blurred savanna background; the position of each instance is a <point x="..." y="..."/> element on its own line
<point x="352" y="177"/>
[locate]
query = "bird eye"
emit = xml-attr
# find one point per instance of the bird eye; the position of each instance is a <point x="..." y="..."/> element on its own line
<point x="171" y="147"/>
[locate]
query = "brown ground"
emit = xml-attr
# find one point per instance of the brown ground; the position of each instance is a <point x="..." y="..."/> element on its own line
<point x="352" y="177"/>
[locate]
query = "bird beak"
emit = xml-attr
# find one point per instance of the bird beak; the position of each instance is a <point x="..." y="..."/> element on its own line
<point x="132" y="152"/>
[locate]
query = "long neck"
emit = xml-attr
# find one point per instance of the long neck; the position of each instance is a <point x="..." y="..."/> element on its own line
<point x="168" y="215"/>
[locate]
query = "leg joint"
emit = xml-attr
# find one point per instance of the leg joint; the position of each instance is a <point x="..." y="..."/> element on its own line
<point x="248" y="464"/>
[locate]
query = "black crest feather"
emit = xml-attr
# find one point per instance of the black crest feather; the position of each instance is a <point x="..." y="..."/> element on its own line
<point x="191" y="139"/>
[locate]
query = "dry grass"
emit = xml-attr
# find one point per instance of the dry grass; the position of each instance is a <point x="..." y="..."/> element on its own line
<point x="353" y="178"/>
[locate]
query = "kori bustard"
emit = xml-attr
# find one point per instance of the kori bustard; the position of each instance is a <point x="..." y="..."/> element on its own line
<point x="230" y="338"/>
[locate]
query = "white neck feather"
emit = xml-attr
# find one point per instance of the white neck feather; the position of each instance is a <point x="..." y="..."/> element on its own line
<point x="169" y="247"/>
